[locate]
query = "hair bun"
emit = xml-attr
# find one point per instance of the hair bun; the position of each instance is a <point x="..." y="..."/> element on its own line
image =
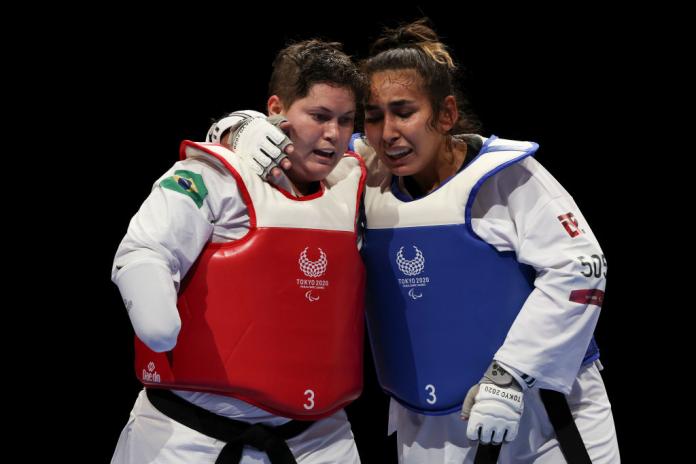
<point x="405" y="36"/>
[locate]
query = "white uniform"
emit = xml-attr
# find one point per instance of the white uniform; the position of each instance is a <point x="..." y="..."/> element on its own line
<point x="170" y="230"/>
<point x="442" y="439"/>
<point x="523" y="209"/>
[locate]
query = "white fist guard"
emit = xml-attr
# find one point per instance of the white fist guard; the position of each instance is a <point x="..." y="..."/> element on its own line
<point x="493" y="407"/>
<point x="258" y="140"/>
<point x="261" y="143"/>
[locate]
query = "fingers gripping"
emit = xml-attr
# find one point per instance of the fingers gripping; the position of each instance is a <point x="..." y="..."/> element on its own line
<point x="493" y="407"/>
<point x="260" y="143"/>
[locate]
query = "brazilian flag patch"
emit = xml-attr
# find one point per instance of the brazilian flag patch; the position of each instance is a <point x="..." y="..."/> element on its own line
<point x="189" y="183"/>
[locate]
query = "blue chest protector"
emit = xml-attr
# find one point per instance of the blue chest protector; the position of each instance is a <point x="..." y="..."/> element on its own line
<point x="440" y="299"/>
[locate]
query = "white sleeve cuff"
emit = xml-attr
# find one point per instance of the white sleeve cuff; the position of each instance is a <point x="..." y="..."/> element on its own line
<point x="525" y="381"/>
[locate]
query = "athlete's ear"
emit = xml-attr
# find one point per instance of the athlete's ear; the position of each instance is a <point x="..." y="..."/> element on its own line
<point x="448" y="114"/>
<point x="275" y="106"/>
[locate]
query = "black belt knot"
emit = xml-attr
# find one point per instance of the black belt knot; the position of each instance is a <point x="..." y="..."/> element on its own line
<point x="236" y="434"/>
<point x="262" y="438"/>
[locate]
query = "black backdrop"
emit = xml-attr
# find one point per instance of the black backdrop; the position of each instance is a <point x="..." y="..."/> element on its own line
<point x="152" y="81"/>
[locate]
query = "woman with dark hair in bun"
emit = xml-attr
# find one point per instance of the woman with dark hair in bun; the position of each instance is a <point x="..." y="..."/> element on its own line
<point x="485" y="281"/>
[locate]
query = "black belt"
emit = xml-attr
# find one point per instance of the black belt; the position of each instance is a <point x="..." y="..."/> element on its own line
<point x="487" y="454"/>
<point x="236" y="434"/>
<point x="567" y="433"/>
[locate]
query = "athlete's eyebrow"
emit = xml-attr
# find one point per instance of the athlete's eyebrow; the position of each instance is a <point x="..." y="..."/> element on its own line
<point x="396" y="104"/>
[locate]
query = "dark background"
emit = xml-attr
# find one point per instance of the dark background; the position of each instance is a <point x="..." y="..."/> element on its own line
<point x="141" y="82"/>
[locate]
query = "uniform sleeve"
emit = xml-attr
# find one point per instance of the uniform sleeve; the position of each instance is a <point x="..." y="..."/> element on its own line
<point x="173" y="224"/>
<point x="524" y="209"/>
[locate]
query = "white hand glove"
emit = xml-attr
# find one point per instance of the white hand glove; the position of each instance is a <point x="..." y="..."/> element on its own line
<point x="493" y="407"/>
<point x="261" y="143"/>
<point x="230" y="122"/>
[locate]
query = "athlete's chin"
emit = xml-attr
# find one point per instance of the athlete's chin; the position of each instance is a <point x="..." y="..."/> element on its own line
<point x="402" y="170"/>
<point x="315" y="173"/>
<point x="403" y="166"/>
<point x="318" y="170"/>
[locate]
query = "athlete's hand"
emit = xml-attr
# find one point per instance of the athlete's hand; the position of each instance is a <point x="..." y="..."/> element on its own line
<point x="284" y="164"/>
<point x="260" y="143"/>
<point x="251" y="136"/>
<point x="493" y="407"/>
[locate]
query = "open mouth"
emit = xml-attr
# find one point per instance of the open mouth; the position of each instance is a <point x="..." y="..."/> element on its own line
<point x="396" y="154"/>
<point x="324" y="153"/>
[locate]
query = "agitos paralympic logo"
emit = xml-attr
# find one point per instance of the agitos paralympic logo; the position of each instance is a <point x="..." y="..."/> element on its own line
<point x="313" y="269"/>
<point x="412" y="267"/>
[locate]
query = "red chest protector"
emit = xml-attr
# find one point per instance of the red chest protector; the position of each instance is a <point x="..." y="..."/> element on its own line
<point x="275" y="318"/>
